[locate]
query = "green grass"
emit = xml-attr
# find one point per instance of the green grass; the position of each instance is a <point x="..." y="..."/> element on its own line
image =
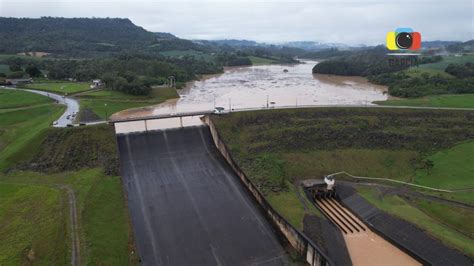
<point x="453" y="168"/>
<point x="447" y="100"/>
<point x="289" y="205"/>
<point x="261" y="61"/>
<point x="181" y="53"/>
<point x="457" y="218"/>
<point x="400" y="208"/>
<point x="97" y="106"/>
<point x="449" y="60"/>
<point x="293" y="145"/>
<point x="105" y="222"/>
<point x="4" y="68"/>
<point x="18" y="98"/>
<point x="32" y="225"/>
<point x="118" y="101"/>
<point x="104" y="228"/>
<point x="34" y="211"/>
<point x="419" y="72"/>
<point x="362" y="162"/>
<point x="60" y="87"/>
<point x="20" y="129"/>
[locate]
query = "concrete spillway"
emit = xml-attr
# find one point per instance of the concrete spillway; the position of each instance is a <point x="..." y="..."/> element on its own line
<point x="364" y="246"/>
<point x="188" y="207"/>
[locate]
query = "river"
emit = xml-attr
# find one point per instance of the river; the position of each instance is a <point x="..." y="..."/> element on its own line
<point x="257" y="86"/>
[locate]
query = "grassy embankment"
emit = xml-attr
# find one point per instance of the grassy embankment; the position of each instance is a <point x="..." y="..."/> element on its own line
<point x="24" y="117"/>
<point x="445" y="100"/>
<point x="34" y="210"/>
<point x="450" y="224"/>
<point x="277" y="148"/>
<point x="262" y="61"/>
<point x="63" y="88"/>
<point x="117" y="101"/>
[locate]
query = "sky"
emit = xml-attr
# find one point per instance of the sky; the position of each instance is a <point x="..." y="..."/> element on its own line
<point x="329" y="21"/>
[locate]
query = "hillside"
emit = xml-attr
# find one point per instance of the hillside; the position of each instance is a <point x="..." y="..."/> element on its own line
<point x="61" y="35"/>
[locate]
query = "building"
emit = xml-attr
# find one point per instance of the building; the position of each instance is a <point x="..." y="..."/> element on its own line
<point x="18" y="81"/>
<point x="96" y="83"/>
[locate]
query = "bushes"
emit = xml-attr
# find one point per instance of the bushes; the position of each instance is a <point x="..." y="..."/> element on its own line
<point x="461" y="71"/>
<point x="403" y="85"/>
<point x="359" y="63"/>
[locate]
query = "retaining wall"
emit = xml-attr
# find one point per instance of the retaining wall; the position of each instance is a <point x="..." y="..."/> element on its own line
<point x="303" y="245"/>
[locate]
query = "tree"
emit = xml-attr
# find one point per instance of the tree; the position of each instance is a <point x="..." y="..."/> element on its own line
<point x="15" y="75"/>
<point x="33" y="71"/>
<point x="15" y="67"/>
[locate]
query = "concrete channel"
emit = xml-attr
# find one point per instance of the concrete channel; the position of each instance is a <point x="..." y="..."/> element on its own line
<point x="365" y="247"/>
<point x="187" y="205"/>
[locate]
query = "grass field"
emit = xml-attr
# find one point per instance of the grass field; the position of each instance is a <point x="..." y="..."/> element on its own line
<point x="261" y="61"/>
<point x="33" y="225"/>
<point x="4" y="69"/>
<point x="103" y="218"/>
<point x="117" y="101"/>
<point x="443" y="222"/>
<point x="17" y="98"/>
<point x="418" y="72"/>
<point x="280" y="147"/>
<point x="20" y="129"/>
<point x="193" y="53"/>
<point x="63" y="88"/>
<point x="449" y="60"/>
<point x="447" y="100"/>
<point x="34" y="211"/>
<point x="453" y="168"/>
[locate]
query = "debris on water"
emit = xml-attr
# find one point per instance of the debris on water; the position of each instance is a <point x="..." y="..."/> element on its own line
<point x="285" y="70"/>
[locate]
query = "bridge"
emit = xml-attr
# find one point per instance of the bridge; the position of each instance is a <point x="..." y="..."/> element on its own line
<point x="171" y="120"/>
<point x="183" y="119"/>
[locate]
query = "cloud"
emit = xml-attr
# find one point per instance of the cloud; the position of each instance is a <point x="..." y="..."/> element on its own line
<point x="351" y="22"/>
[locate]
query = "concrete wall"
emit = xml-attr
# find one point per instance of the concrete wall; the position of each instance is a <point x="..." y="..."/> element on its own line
<point x="305" y="247"/>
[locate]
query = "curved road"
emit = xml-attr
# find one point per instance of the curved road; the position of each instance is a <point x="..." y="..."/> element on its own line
<point x="72" y="106"/>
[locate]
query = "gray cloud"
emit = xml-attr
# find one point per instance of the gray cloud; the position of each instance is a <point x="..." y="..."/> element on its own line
<point x="351" y="22"/>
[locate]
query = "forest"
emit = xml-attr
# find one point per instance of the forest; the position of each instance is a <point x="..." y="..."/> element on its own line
<point x="128" y="57"/>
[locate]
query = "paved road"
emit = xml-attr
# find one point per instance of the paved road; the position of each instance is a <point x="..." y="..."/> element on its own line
<point x="187" y="206"/>
<point x="72" y="106"/>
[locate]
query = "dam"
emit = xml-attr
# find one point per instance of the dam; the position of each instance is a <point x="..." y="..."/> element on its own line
<point x="188" y="207"/>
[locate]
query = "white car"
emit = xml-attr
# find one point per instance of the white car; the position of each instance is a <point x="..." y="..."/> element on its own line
<point x="219" y="110"/>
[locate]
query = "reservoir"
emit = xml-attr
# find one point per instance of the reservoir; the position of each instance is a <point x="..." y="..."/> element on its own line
<point x="265" y="86"/>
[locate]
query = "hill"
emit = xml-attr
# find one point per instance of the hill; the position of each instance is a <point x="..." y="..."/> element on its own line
<point x="69" y="35"/>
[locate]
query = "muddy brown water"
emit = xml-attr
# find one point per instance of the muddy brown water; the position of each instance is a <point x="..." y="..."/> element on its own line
<point x="257" y="86"/>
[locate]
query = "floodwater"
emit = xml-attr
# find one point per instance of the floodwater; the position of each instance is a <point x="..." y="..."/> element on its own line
<point x="266" y="86"/>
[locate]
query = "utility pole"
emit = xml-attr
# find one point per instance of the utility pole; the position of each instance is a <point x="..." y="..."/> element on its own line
<point x="105" y="107"/>
<point x="230" y="105"/>
<point x="267" y="101"/>
<point x="296" y="102"/>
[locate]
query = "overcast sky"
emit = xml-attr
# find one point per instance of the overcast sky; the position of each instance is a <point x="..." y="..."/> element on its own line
<point x="350" y="22"/>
